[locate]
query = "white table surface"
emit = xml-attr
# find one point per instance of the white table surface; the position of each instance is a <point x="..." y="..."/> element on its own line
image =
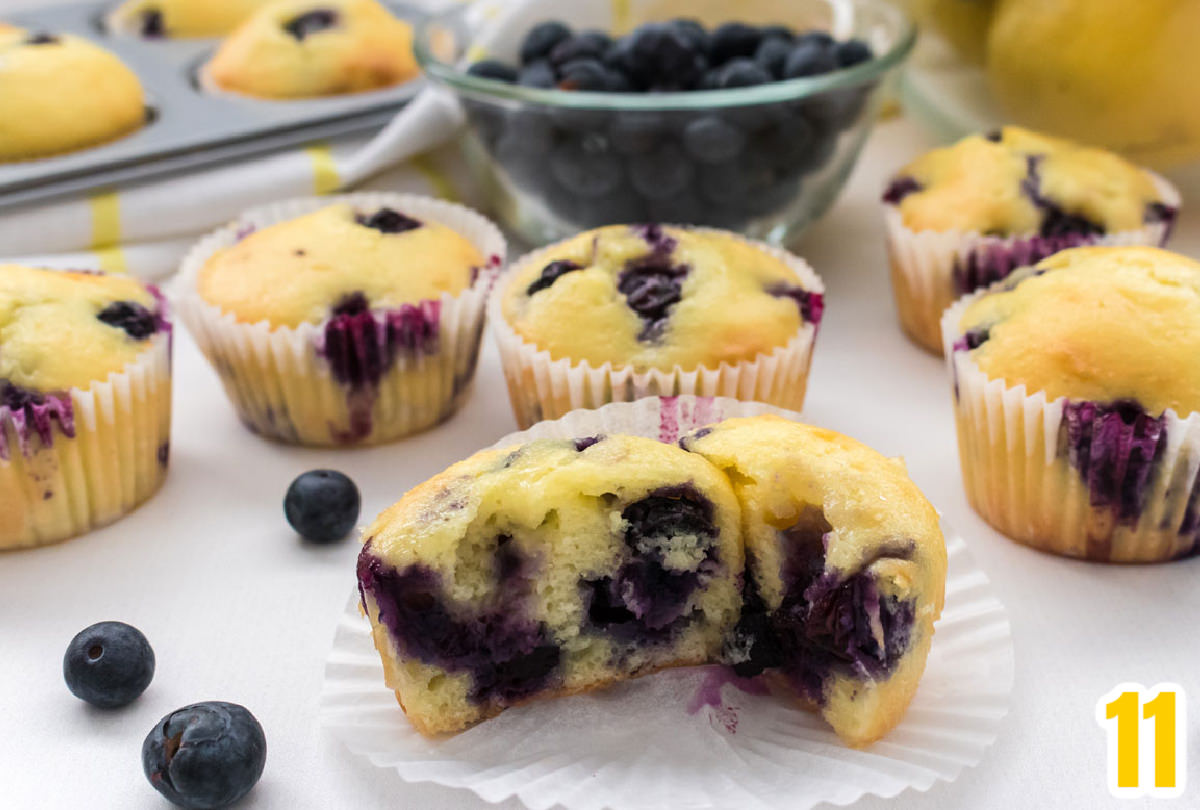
<point x="237" y="609"/>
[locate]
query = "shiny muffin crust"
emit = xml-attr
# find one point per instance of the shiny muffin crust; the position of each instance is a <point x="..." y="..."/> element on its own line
<point x="653" y="296"/>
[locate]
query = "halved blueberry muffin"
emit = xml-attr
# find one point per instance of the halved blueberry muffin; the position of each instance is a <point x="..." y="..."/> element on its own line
<point x="964" y="216"/>
<point x="308" y="48"/>
<point x="546" y="569"/>
<point x="1077" y="397"/>
<point x="60" y="93"/>
<point x="337" y="321"/>
<point x="845" y="569"/>
<point x="85" y="401"/>
<point x="157" y="19"/>
<point x="633" y="310"/>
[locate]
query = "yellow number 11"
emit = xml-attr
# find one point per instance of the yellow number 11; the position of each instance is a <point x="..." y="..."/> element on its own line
<point x="1129" y="705"/>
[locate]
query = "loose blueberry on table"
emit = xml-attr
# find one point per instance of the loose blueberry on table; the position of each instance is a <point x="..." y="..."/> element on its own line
<point x="205" y="756"/>
<point x="108" y="664"/>
<point x="597" y="167"/>
<point x="322" y="505"/>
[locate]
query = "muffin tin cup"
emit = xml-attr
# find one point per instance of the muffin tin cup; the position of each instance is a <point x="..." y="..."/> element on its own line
<point x="81" y="461"/>
<point x="278" y="378"/>
<point x="541" y="387"/>
<point x="924" y="263"/>
<point x="1018" y="476"/>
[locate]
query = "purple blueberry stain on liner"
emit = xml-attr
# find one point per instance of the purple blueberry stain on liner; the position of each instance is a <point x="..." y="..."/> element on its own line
<point x="33" y="413"/>
<point x="996" y="259"/>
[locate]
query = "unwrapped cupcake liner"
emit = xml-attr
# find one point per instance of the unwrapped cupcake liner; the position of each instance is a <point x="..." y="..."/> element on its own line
<point x="693" y="737"/>
<point x="931" y="269"/>
<point x="541" y="387"/>
<point x="84" y="458"/>
<point x="354" y="379"/>
<point x="1099" y="481"/>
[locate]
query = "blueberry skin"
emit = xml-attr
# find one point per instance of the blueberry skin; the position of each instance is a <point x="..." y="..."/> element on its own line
<point x="733" y="40"/>
<point x="810" y="57"/>
<point x="656" y="56"/>
<point x="322" y="505"/>
<point x="541" y="38"/>
<point x="108" y="664"/>
<point x="692" y="31"/>
<point x="537" y="74"/>
<point x="131" y="317"/>
<point x="205" y="756"/>
<point x="491" y="69"/>
<point x="585" y="168"/>
<point x="588" y="75"/>
<point x="853" y="52"/>
<point x="713" y="140"/>
<point x="312" y="22"/>
<point x="584" y="45"/>
<point x="772" y="54"/>
<point x="743" y="73"/>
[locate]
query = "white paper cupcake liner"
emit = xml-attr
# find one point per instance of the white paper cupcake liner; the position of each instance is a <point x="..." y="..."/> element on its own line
<point x="278" y="377"/>
<point x="80" y="461"/>
<point x="1020" y="477"/>
<point x="659" y="741"/>
<point x="924" y="264"/>
<point x="541" y="387"/>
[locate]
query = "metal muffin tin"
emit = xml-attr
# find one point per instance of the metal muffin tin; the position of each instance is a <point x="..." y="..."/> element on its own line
<point x="188" y="127"/>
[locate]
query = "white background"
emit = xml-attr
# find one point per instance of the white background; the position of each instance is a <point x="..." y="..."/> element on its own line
<point x="238" y="609"/>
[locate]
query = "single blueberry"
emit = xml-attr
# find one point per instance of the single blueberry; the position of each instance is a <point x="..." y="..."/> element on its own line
<point x="899" y="188"/>
<point x="584" y="45"/>
<point x="108" y="664"/>
<point x="541" y="38"/>
<point x="42" y="38"/>
<point x="322" y="505"/>
<point x="137" y="321"/>
<point x="663" y="172"/>
<point x="742" y="72"/>
<point x="636" y="132"/>
<point x="586" y="168"/>
<point x="713" y="140"/>
<point x="692" y="31"/>
<point x="387" y="220"/>
<point x="733" y="40"/>
<point x="853" y="52"/>
<point x="772" y="54"/>
<point x="311" y="22"/>
<point x="587" y="441"/>
<point x="809" y="58"/>
<point x="153" y="26"/>
<point x="588" y="75"/>
<point x="778" y="32"/>
<point x="205" y="756"/>
<point x="818" y="37"/>
<point x="491" y="69"/>
<point x="994" y="135"/>
<point x="537" y="74"/>
<point x="552" y="273"/>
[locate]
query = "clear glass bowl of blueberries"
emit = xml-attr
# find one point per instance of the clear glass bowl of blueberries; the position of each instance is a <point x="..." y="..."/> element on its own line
<point x="752" y="128"/>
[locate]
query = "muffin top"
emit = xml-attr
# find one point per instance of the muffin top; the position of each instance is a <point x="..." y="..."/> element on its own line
<point x="62" y="330"/>
<point x="1100" y="324"/>
<point x="658" y="297"/>
<point x="304" y="269"/>
<point x="60" y="92"/>
<point x="306" y="48"/>
<point x="1016" y="182"/>
<point x="182" y="18"/>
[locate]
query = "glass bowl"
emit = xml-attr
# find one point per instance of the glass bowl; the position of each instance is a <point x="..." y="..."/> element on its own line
<point x="556" y="162"/>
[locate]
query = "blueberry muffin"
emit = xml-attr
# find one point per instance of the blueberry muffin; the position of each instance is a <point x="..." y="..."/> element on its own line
<point x="60" y="93"/>
<point x="840" y="594"/>
<point x="156" y="19"/>
<point x="628" y="311"/>
<point x="1077" y="397"/>
<point x="309" y="48"/>
<point x="964" y="216"/>
<point x="354" y="321"/>
<point x="549" y="568"/>
<point x="85" y="401"/>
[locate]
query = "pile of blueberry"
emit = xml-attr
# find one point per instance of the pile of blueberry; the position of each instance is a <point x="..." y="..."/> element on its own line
<point x="723" y="166"/>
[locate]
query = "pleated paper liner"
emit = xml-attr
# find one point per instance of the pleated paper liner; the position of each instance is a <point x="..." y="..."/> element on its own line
<point x="278" y="378"/>
<point x="541" y="387"/>
<point x="79" y="462"/>
<point x="924" y="264"/>
<point x="1020" y="477"/>
<point x="689" y="737"/>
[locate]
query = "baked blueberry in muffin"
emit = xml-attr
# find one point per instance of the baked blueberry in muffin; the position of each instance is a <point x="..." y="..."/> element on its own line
<point x="308" y="48"/>
<point x="84" y="401"/>
<point x="157" y="19"/>
<point x="964" y="216"/>
<point x="839" y="595"/>
<point x="61" y="93"/>
<point x="344" y="323"/>
<point x="656" y="300"/>
<point x="1094" y="349"/>
<point x="549" y="568"/>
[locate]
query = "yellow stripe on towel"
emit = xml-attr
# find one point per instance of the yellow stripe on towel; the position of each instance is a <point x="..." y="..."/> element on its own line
<point x="106" y="232"/>
<point x="325" y="172"/>
<point x="621" y="16"/>
<point x="435" y="177"/>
